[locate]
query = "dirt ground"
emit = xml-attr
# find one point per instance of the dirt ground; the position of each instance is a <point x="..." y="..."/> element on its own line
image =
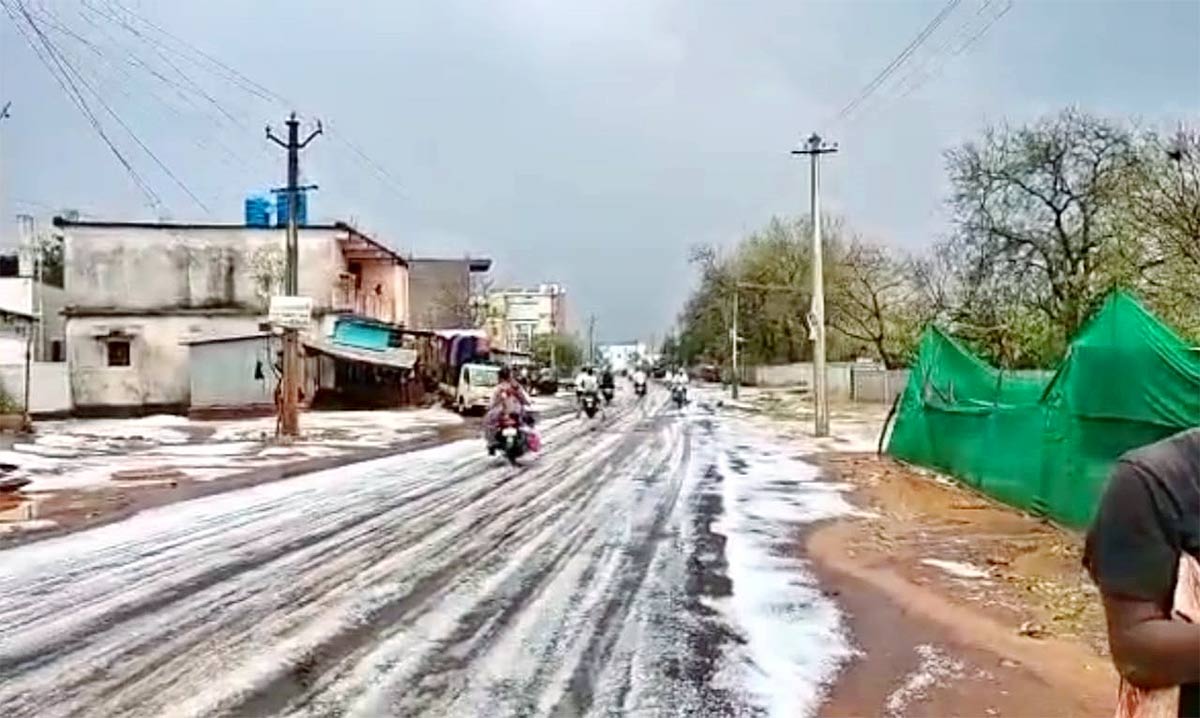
<point x="958" y="605"/>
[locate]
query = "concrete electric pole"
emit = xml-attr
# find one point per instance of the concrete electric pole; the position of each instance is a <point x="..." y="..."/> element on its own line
<point x="814" y="147"/>
<point x="289" y="400"/>
<point x="592" y="340"/>
<point x="734" y="340"/>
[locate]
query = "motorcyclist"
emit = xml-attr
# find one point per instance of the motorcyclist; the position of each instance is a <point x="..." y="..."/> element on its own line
<point x="639" y="380"/>
<point x="679" y="381"/>
<point x="607" y="383"/>
<point x="585" y="383"/>
<point x="508" y="399"/>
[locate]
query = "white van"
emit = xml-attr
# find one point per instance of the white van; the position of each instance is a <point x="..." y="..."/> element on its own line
<point x="476" y="382"/>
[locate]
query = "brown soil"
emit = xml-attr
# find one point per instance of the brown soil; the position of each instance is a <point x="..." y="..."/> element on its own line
<point x="1027" y="639"/>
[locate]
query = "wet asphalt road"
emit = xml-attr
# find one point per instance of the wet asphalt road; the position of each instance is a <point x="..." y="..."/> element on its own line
<point x="438" y="582"/>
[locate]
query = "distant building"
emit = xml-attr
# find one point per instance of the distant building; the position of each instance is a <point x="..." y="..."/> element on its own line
<point x="516" y="316"/>
<point x="442" y="292"/>
<point x="139" y="293"/>
<point x="31" y="283"/>
<point x="626" y="356"/>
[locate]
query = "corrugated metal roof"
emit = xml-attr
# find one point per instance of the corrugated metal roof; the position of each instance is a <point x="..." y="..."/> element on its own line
<point x="396" y="358"/>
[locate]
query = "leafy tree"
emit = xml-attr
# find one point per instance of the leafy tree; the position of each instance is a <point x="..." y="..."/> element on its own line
<point x="568" y="352"/>
<point x="1051" y="217"/>
<point x="1036" y="209"/>
<point x="875" y="300"/>
<point x="1164" y="211"/>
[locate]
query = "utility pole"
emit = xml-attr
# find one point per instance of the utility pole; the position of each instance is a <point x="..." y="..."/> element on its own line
<point x="734" y="339"/>
<point x="4" y="115"/>
<point x="814" y="147"/>
<point x="592" y="340"/>
<point x="289" y="400"/>
<point x="554" y="333"/>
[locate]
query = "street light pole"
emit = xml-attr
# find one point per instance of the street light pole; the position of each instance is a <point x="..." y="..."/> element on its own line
<point x="814" y="147"/>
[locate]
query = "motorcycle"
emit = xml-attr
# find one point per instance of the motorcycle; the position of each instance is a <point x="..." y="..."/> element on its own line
<point x="608" y="393"/>
<point x="516" y="437"/>
<point x="590" y="404"/>
<point x="639" y="388"/>
<point x="679" y="396"/>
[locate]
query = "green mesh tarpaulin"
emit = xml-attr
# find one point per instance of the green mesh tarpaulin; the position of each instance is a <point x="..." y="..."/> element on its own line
<point x="1046" y="441"/>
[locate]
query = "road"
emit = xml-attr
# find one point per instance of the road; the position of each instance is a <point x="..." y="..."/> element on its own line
<point x="634" y="568"/>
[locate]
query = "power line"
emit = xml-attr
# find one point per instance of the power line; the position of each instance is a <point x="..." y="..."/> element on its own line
<point x="248" y="85"/>
<point x="62" y="61"/>
<point x="961" y="48"/>
<point x="899" y="60"/>
<point x="72" y="92"/>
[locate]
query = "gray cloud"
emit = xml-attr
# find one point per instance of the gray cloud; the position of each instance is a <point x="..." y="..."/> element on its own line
<point x="594" y="142"/>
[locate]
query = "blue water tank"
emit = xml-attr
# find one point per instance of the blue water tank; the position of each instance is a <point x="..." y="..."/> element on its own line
<point x="281" y="209"/>
<point x="258" y="211"/>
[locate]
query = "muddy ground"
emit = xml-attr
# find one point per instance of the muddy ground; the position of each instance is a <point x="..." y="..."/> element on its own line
<point x="1003" y="622"/>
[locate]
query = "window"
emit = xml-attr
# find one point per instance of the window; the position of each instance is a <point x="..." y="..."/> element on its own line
<point x="56" y="351"/>
<point x="118" y="352"/>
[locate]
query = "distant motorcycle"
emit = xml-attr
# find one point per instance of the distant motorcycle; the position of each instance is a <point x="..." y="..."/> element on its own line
<point x="608" y="393"/>
<point x="590" y="404"/>
<point x="639" y="388"/>
<point x="679" y="396"/>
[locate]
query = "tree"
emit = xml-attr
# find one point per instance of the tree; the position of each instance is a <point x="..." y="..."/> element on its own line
<point x="1037" y="215"/>
<point x="875" y="301"/>
<point x="568" y="353"/>
<point x="1164" y="212"/>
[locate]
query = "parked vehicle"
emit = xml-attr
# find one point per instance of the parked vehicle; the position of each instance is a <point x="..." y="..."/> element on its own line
<point x="546" y="382"/>
<point x="473" y="392"/>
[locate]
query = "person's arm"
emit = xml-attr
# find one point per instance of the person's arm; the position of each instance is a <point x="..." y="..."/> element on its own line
<point x="1133" y="555"/>
<point x="1149" y="648"/>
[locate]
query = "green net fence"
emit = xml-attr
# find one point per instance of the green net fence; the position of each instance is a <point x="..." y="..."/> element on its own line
<point x="1046" y="441"/>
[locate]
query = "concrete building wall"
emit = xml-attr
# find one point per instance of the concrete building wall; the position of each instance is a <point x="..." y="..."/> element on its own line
<point x="12" y="346"/>
<point x="515" y="316"/>
<point x="157" y="375"/>
<point x="837" y="377"/>
<point x="49" y="386"/>
<point x="23" y="294"/>
<point x="876" y="384"/>
<point x="434" y="284"/>
<point x="235" y="374"/>
<point x="161" y="268"/>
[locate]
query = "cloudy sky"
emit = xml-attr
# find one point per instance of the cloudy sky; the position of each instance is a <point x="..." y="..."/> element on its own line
<point x="586" y="142"/>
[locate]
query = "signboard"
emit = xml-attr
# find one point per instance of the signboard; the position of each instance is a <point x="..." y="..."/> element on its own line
<point x="525" y="310"/>
<point x="291" y="312"/>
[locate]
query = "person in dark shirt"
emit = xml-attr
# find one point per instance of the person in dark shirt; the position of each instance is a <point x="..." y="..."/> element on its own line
<point x="1150" y="516"/>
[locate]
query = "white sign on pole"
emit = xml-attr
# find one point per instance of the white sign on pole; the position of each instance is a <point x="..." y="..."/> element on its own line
<point x="291" y="312"/>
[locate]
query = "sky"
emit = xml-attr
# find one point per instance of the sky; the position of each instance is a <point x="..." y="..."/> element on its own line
<point x="589" y="143"/>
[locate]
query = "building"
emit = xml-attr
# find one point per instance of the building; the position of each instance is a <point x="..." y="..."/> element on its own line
<point x="516" y="316"/>
<point x="31" y="282"/>
<point x="233" y="375"/>
<point x="137" y="293"/>
<point x="626" y="356"/>
<point x="442" y="292"/>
